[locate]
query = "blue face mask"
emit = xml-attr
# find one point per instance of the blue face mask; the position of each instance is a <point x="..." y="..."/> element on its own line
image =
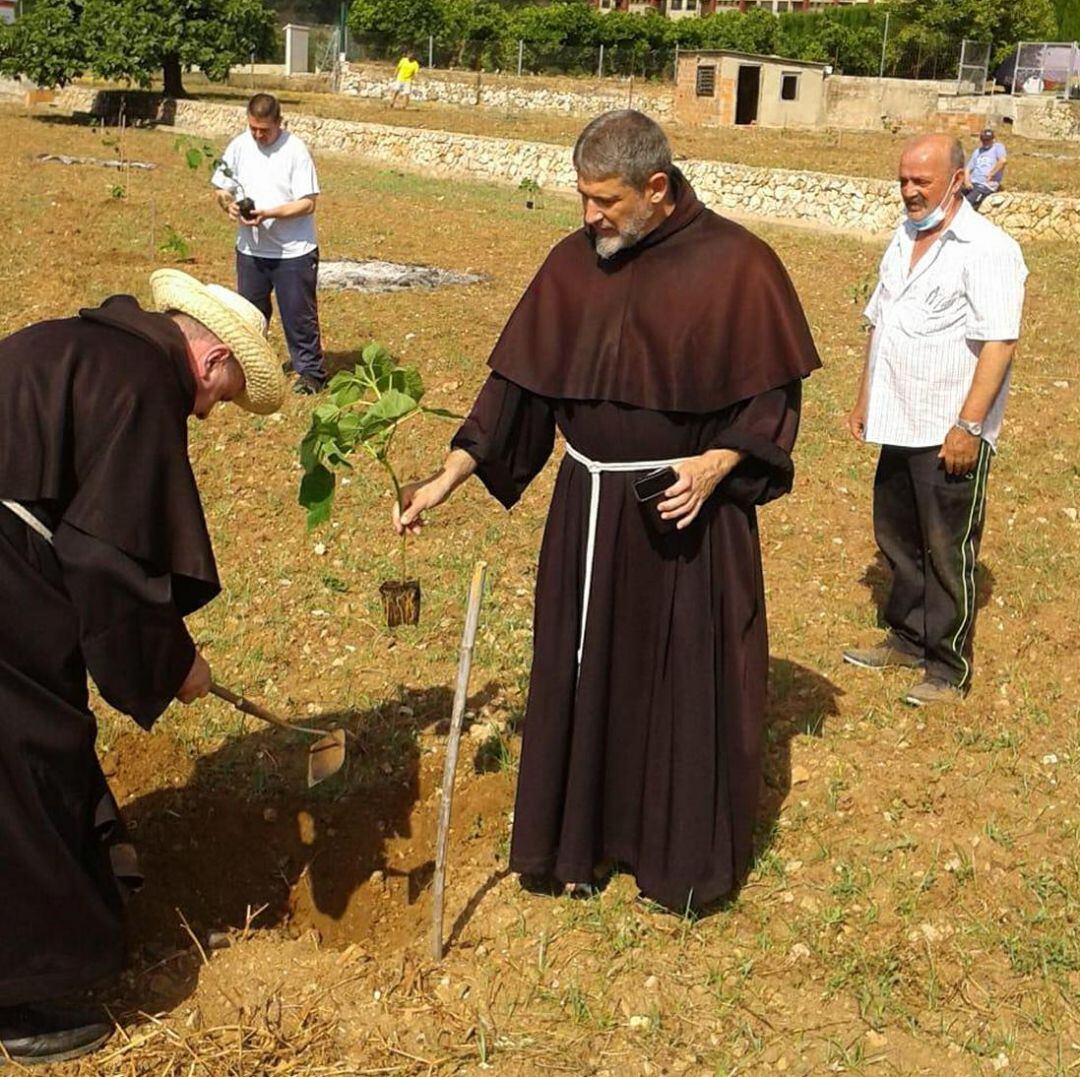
<point x="935" y="216"/>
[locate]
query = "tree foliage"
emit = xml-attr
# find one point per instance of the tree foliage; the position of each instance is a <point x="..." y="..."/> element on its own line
<point x="133" y="40"/>
<point x="45" y="45"/>
<point x="923" y="38"/>
<point x="1067" y="14"/>
<point x="999" y="23"/>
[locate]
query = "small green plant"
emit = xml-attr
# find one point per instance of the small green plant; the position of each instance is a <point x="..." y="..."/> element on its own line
<point x="531" y="190"/>
<point x="118" y="191"/>
<point x="174" y="244"/>
<point x="197" y="152"/>
<point x="860" y="291"/>
<point x="366" y="407"/>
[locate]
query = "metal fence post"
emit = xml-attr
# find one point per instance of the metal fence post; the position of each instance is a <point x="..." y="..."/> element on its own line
<point x="884" y="41"/>
<point x="600" y="65"/>
<point x="521" y="55"/>
<point x="430" y="51"/>
<point x="675" y="70"/>
<point x="1016" y="66"/>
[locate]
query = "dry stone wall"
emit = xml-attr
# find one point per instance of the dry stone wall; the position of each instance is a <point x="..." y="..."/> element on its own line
<point x="847" y="203"/>
<point x="571" y="97"/>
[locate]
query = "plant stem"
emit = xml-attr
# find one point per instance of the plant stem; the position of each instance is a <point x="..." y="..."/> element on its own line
<point x="401" y="508"/>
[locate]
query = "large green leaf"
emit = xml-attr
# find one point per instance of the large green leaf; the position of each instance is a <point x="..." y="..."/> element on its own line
<point x="391" y="407"/>
<point x="407" y="380"/>
<point x="317" y="495"/>
<point x="309" y="450"/>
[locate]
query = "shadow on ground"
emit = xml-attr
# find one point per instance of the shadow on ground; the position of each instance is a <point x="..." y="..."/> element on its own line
<point x="242" y="842"/>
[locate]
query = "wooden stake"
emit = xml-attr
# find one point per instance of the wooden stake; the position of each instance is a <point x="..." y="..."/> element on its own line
<point x="461" y="691"/>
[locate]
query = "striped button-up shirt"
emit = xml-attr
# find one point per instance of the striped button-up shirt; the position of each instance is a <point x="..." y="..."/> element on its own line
<point x="929" y="324"/>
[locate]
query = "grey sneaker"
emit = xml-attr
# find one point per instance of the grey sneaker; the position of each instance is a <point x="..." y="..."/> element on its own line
<point x="883" y="656"/>
<point x="933" y="690"/>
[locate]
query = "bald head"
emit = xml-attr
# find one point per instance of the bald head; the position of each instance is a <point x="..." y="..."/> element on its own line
<point x="941" y="152"/>
<point x="931" y="175"/>
<point x="217" y="372"/>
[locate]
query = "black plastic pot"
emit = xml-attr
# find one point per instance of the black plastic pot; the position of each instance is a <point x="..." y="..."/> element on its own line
<point x="401" y="602"/>
<point x="246" y="206"/>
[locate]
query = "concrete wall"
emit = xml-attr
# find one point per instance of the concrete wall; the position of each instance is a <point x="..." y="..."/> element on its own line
<point x="1042" y="117"/>
<point x="569" y="96"/>
<point x="12" y="89"/>
<point x="864" y="104"/>
<point x="846" y="203"/>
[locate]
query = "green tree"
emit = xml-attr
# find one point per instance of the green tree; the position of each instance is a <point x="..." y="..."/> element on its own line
<point x="1067" y="13"/>
<point x="133" y="40"/>
<point x="848" y="38"/>
<point x="405" y="22"/>
<point x="563" y="23"/>
<point x="1001" y="23"/>
<point x="45" y="44"/>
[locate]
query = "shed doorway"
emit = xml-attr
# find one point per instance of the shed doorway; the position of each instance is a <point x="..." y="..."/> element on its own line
<point x="747" y="93"/>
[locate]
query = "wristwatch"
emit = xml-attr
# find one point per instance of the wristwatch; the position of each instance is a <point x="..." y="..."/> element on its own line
<point x="974" y="429"/>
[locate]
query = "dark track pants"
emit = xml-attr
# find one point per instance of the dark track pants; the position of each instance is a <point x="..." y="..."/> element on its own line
<point x="928" y="524"/>
<point x="293" y="281"/>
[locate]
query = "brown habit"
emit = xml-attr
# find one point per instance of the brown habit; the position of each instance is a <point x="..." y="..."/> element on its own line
<point x="93" y="441"/>
<point x="650" y="754"/>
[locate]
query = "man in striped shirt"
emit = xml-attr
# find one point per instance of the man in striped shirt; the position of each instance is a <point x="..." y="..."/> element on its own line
<point x="944" y="320"/>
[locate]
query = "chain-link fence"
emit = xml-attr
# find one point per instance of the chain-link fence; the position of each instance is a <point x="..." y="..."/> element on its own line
<point x="1042" y="66"/>
<point x="974" y="65"/>
<point x="899" y="52"/>
<point x="519" y="57"/>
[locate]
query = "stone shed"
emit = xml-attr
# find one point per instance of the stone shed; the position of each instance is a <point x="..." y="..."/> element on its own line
<point x="718" y="88"/>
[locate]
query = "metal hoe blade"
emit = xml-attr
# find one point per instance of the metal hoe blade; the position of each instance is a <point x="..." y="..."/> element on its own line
<point x="325" y="757"/>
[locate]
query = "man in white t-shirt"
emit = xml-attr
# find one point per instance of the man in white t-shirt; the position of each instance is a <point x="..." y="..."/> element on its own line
<point x="276" y="249"/>
<point x="944" y="320"/>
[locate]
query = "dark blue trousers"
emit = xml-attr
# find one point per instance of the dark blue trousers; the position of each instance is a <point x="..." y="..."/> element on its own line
<point x="293" y="281"/>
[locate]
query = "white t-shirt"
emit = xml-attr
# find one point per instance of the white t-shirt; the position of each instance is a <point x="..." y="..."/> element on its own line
<point x="271" y="176"/>
<point x="929" y="325"/>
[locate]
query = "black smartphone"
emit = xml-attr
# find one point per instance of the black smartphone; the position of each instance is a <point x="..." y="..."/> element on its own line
<point x="655" y="483"/>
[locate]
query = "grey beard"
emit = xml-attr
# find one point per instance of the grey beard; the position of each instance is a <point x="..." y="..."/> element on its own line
<point x="629" y="234"/>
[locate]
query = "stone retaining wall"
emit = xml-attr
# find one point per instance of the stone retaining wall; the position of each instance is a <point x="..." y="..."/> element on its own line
<point x="568" y="96"/>
<point x="848" y="203"/>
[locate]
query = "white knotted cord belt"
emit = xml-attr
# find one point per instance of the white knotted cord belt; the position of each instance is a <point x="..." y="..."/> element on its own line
<point x="596" y="469"/>
<point x="28" y="518"/>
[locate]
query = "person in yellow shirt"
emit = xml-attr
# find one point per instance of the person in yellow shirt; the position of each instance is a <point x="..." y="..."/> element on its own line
<point x="403" y="77"/>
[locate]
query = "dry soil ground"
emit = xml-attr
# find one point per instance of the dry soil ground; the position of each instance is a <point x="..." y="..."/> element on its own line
<point x="914" y="904"/>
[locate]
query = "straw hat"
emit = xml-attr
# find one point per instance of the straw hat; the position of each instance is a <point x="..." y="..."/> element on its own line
<point x="236" y="323"/>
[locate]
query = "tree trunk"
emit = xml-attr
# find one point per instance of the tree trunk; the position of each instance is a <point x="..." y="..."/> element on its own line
<point x="174" y="77"/>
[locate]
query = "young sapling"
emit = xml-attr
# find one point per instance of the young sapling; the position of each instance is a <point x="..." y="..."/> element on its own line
<point x="364" y="409"/>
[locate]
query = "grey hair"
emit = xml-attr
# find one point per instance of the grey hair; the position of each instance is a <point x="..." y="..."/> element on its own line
<point x="625" y="144"/>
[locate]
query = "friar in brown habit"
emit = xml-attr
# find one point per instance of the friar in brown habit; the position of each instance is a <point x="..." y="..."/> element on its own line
<point x="103" y="551"/>
<point x="659" y="335"/>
